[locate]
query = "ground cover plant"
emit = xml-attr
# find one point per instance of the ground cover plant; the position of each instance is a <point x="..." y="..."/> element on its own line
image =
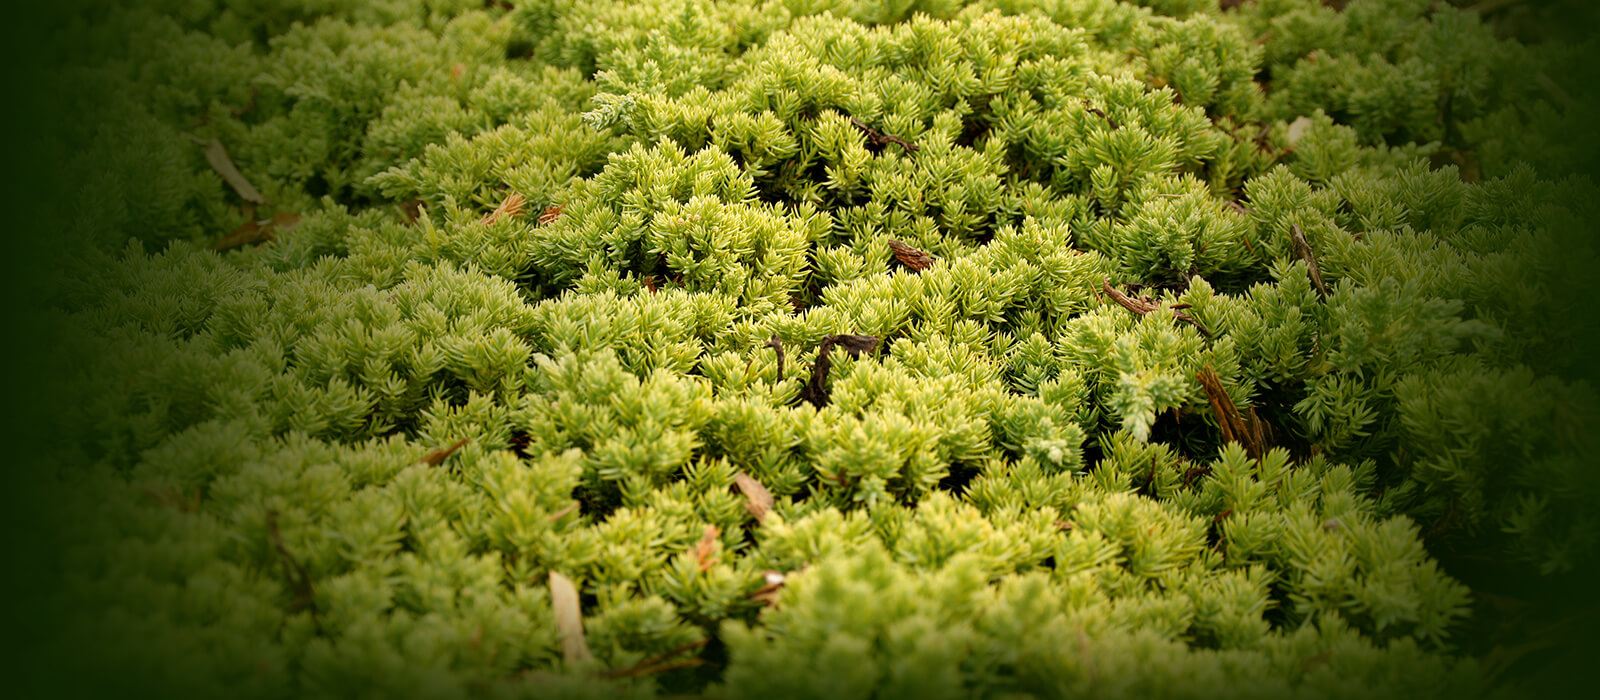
<point x="824" y="348"/>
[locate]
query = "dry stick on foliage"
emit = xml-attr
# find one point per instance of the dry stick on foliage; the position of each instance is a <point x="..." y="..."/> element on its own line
<point x="658" y="663"/>
<point x="768" y="593"/>
<point x="910" y="257"/>
<point x="512" y="206"/>
<point x="705" y="550"/>
<point x="880" y="138"/>
<point x="437" y="457"/>
<point x="816" y="389"/>
<point x="1302" y="248"/>
<point x="569" y="619"/>
<point x="221" y="162"/>
<point x="564" y="512"/>
<point x="299" y="580"/>
<point x="252" y="232"/>
<point x="758" y="500"/>
<point x="1247" y="430"/>
<point x="776" y="344"/>
<point x="1144" y="305"/>
<point x="1101" y="114"/>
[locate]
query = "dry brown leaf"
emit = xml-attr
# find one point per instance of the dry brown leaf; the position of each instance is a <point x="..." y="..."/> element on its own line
<point x="910" y="257"/>
<point x="1297" y="130"/>
<point x="252" y="232"/>
<point x="412" y="209"/>
<point x="569" y="619"/>
<point x="458" y="70"/>
<point x="757" y="499"/>
<point x="437" y="457"/>
<point x="550" y="214"/>
<point x="223" y="164"/>
<point x="705" y="551"/>
<point x="511" y="206"/>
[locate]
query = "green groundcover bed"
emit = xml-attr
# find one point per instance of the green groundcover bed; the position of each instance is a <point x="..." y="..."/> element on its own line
<point x="819" y="348"/>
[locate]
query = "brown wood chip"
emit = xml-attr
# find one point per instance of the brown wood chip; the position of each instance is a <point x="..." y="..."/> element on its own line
<point x="757" y="499"/>
<point x="910" y="257"/>
<point x="569" y="619"/>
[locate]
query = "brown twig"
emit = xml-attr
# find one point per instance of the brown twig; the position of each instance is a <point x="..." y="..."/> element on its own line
<point x="1302" y="247"/>
<point x="1246" y="429"/>
<point x="776" y="344"/>
<point x="658" y="663"/>
<point x="437" y="457"/>
<point x="816" y="389"/>
<point x="881" y="138"/>
<point x="1144" y="305"/>
<point x="1097" y="112"/>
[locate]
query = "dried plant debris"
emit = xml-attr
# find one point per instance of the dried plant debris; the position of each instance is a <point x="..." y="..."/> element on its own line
<point x="510" y="207"/>
<point x="660" y="662"/>
<point x="1247" y="428"/>
<point x="705" y="551"/>
<point x="256" y="232"/>
<point x="758" y="501"/>
<point x="910" y="257"/>
<point x="437" y="457"/>
<point x="815" y="390"/>
<point x="1302" y="248"/>
<point x="881" y="138"/>
<point x="1144" y="305"/>
<point x="569" y="619"/>
<point x="222" y="163"/>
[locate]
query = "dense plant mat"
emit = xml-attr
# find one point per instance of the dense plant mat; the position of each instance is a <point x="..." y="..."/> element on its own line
<point x="820" y="349"/>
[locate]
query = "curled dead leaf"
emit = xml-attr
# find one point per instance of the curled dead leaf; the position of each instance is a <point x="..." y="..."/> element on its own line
<point x="254" y="232"/>
<point x="757" y="499"/>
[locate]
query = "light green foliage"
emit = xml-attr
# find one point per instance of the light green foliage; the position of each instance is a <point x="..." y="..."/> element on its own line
<point x="1023" y="488"/>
